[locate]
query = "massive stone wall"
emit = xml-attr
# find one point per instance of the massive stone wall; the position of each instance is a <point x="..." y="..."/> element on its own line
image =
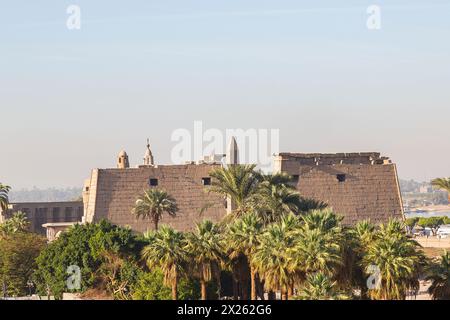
<point x="357" y="186"/>
<point x="39" y="213"/>
<point x="111" y="194"/>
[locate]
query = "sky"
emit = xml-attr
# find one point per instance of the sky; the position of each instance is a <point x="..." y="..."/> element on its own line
<point x="70" y="100"/>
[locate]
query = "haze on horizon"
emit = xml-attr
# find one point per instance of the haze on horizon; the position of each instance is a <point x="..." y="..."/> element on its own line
<point x="71" y="100"/>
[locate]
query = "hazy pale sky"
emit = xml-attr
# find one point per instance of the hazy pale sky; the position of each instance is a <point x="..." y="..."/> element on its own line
<point x="70" y="100"/>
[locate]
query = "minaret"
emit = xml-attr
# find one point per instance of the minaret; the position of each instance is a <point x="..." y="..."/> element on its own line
<point x="122" y="161"/>
<point x="148" y="158"/>
<point x="232" y="152"/>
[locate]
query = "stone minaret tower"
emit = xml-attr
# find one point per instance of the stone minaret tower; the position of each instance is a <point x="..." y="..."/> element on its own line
<point x="122" y="161"/>
<point x="148" y="158"/>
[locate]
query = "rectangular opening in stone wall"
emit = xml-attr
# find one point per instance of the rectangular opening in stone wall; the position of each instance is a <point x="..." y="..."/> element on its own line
<point x="153" y="182"/>
<point x="206" y="181"/>
<point x="68" y="214"/>
<point x="341" y="177"/>
<point x="79" y="213"/>
<point x="56" y="217"/>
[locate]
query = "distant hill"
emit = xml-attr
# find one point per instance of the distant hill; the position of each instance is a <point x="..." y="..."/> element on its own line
<point x="45" y="195"/>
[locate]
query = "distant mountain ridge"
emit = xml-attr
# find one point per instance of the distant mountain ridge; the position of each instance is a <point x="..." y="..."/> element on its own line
<point x="45" y="195"/>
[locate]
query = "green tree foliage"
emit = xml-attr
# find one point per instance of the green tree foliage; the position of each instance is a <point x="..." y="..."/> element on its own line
<point x="18" y="252"/>
<point x="276" y="200"/>
<point x="17" y="223"/>
<point x="442" y="183"/>
<point x="439" y="275"/>
<point x="319" y="286"/>
<point x="237" y="182"/>
<point x="116" y="275"/>
<point x="411" y="223"/>
<point x="153" y="204"/>
<point x="399" y="260"/>
<point x="84" y="246"/>
<point x="150" y="286"/>
<point x="166" y="250"/>
<point x="242" y="238"/>
<point x="205" y="247"/>
<point x="4" y="200"/>
<point x="271" y="258"/>
<point x="432" y="222"/>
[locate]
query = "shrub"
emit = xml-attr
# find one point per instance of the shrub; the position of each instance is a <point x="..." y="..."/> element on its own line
<point x="150" y="286"/>
<point x="83" y="246"/>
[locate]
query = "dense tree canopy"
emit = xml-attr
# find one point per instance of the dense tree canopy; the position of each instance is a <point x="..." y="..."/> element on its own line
<point x="18" y="252"/>
<point x="86" y="246"/>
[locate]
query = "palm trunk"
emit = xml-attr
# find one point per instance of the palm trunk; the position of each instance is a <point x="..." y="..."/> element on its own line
<point x="219" y="285"/>
<point x="235" y="289"/>
<point x="244" y="275"/>
<point x="155" y="223"/>
<point x="259" y="288"/>
<point x="253" y="283"/>
<point x="290" y="291"/>
<point x="271" y="295"/>
<point x="203" y="286"/>
<point x="175" y="286"/>
<point x="284" y="294"/>
<point x="364" y="295"/>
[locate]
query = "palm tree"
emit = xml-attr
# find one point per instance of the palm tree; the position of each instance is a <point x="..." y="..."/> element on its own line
<point x="318" y="245"/>
<point x="271" y="256"/>
<point x="276" y="179"/>
<point x="439" y="275"/>
<point x="4" y="190"/>
<point x="316" y="251"/>
<point x="364" y="231"/>
<point x="319" y="286"/>
<point x="442" y="183"/>
<point x="153" y="203"/>
<point x="206" y="251"/>
<point x="398" y="260"/>
<point x="276" y="200"/>
<point x="359" y="238"/>
<point x="239" y="183"/>
<point x="18" y="222"/>
<point x="166" y="250"/>
<point x="306" y="204"/>
<point x="324" y="220"/>
<point x="242" y="238"/>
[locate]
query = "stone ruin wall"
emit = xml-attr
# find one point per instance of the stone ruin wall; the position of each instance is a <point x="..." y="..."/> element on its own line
<point x="370" y="189"/>
<point x="112" y="194"/>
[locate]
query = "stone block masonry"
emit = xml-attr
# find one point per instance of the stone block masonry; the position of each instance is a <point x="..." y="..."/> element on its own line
<point x="112" y="193"/>
<point x="357" y="186"/>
